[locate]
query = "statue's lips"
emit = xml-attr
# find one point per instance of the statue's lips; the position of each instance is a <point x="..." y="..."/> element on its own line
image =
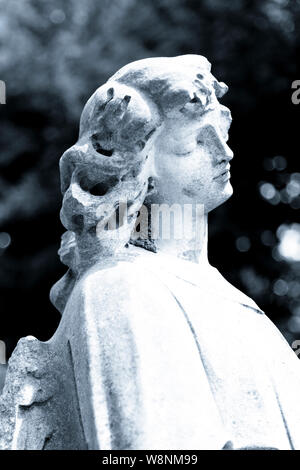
<point x="224" y="175"/>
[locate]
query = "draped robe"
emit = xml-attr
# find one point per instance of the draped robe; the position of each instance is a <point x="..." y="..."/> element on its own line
<point x="168" y="355"/>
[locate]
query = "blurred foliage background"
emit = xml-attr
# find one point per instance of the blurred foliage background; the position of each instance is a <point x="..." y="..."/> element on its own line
<point x="55" y="53"/>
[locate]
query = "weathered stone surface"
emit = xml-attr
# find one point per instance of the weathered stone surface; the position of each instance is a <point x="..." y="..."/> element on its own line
<point x="38" y="406"/>
<point x="155" y="350"/>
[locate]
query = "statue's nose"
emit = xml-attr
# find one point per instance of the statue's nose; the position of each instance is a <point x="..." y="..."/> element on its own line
<point x="228" y="154"/>
<point x="223" y="152"/>
<point x="220" y="151"/>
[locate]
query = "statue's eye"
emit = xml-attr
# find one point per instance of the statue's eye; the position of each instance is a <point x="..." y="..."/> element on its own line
<point x="183" y="153"/>
<point x="200" y="141"/>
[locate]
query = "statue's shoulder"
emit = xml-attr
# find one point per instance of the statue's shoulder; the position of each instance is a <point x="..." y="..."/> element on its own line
<point x="123" y="291"/>
<point x="117" y="270"/>
<point x="119" y="279"/>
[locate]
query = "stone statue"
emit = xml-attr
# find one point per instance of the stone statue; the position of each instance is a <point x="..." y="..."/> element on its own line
<point x="155" y="349"/>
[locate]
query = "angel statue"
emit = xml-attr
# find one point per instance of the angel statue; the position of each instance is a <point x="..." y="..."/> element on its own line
<point x="155" y="349"/>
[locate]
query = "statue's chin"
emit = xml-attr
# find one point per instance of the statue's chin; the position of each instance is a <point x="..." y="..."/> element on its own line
<point x="222" y="197"/>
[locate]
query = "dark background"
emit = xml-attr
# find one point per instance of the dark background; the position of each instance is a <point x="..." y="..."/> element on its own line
<point x="55" y="53"/>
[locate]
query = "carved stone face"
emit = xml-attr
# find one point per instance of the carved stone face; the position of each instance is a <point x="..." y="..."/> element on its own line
<point x="192" y="160"/>
<point x="191" y="157"/>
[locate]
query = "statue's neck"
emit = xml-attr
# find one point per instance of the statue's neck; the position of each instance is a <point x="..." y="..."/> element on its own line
<point x="191" y="246"/>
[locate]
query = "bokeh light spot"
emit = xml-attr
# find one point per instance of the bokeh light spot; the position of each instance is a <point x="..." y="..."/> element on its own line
<point x="279" y="163"/>
<point x="280" y="287"/>
<point x="294" y="324"/>
<point x="293" y="188"/>
<point x="267" y="190"/>
<point x="243" y="244"/>
<point x="294" y="290"/>
<point x="5" y="240"/>
<point x="57" y="16"/>
<point x="289" y="245"/>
